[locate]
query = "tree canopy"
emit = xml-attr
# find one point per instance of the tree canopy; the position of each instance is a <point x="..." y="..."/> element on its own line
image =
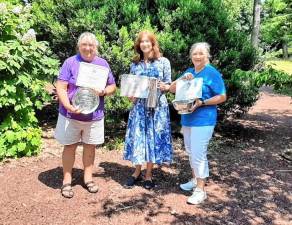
<point x="276" y="29"/>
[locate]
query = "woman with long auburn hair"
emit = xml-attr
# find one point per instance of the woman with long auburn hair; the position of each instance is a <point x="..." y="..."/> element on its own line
<point x="154" y="53"/>
<point x="148" y="135"/>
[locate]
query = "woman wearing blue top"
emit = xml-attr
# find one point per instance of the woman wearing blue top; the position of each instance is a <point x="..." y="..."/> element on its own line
<point x="198" y="126"/>
<point x="148" y="135"/>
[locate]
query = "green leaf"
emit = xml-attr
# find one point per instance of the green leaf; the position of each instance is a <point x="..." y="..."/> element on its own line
<point x="10" y="136"/>
<point x="12" y="151"/>
<point x="21" y="146"/>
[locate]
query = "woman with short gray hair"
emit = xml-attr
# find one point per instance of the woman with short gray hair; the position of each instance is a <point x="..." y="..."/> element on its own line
<point x="198" y="126"/>
<point x="73" y="125"/>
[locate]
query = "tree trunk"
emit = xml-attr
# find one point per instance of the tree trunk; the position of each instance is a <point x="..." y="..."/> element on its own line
<point x="256" y="23"/>
<point x="285" y="50"/>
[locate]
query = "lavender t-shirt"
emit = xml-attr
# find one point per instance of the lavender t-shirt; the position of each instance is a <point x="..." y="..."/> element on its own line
<point x="69" y="73"/>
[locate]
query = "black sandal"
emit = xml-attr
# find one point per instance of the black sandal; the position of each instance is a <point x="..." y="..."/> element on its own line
<point x="66" y="191"/>
<point x="91" y="187"/>
<point x="149" y="184"/>
<point x="132" y="181"/>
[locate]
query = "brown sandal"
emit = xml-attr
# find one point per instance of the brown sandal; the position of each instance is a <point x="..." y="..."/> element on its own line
<point x="66" y="191"/>
<point x="91" y="187"/>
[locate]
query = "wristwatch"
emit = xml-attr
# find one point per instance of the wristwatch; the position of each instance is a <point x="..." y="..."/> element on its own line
<point x="203" y="102"/>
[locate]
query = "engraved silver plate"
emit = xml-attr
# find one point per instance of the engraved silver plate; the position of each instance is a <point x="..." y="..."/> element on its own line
<point x="86" y="100"/>
<point x="183" y="106"/>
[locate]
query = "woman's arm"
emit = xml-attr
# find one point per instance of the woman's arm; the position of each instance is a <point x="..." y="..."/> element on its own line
<point x="172" y="87"/>
<point x="165" y="83"/>
<point x="185" y="76"/>
<point x="61" y="88"/>
<point x="215" y="100"/>
<point x="110" y="89"/>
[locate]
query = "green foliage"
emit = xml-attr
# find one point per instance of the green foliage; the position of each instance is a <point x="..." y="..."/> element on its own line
<point x="117" y="104"/>
<point x="278" y="79"/>
<point x="281" y="65"/>
<point x="24" y="64"/>
<point x="243" y="92"/>
<point x="246" y="84"/>
<point x="277" y="23"/>
<point x="115" y="143"/>
<point x="240" y="11"/>
<point x="178" y="24"/>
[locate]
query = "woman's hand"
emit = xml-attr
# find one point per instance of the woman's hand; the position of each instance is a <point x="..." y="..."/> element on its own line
<point x="215" y="100"/>
<point x="163" y="86"/>
<point x="187" y="76"/>
<point x="198" y="103"/>
<point x="132" y="99"/>
<point x="72" y="109"/>
<point x="100" y="92"/>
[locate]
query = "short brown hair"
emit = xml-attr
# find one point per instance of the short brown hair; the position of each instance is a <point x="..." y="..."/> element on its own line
<point x="155" y="53"/>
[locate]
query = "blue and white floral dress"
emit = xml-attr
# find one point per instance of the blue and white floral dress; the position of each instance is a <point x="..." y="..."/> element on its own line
<point x="148" y="135"/>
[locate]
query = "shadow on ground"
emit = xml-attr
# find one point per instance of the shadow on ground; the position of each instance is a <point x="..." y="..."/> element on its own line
<point x="250" y="183"/>
<point x="243" y="162"/>
<point x="53" y="178"/>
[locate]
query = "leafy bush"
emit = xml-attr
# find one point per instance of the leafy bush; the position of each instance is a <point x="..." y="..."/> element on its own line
<point x="243" y="92"/>
<point x="178" y="24"/>
<point x="281" y="81"/>
<point x="245" y="86"/>
<point x="24" y="64"/>
<point x="117" y="107"/>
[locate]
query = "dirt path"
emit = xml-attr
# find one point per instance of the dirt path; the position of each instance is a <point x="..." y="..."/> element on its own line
<point x="250" y="182"/>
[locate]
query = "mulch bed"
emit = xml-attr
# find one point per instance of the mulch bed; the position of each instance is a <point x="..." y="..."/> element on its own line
<point x="250" y="182"/>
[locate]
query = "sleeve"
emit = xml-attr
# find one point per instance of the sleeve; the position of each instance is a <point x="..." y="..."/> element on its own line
<point x="132" y="68"/>
<point x="166" y="71"/>
<point x="110" y="79"/>
<point x="65" y="72"/>
<point x="217" y="84"/>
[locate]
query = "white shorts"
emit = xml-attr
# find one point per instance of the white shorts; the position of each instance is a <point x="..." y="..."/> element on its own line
<point x="69" y="131"/>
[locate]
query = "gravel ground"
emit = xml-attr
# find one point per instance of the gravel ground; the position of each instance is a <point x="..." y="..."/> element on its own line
<point x="250" y="182"/>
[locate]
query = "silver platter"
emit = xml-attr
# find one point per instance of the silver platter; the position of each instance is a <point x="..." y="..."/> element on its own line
<point x="86" y="100"/>
<point x="183" y="106"/>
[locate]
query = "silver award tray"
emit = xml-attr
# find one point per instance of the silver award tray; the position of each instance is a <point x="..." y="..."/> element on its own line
<point x="86" y="100"/>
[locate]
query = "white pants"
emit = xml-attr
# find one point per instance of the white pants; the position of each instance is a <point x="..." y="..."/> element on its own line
<point x="196" y="140"/>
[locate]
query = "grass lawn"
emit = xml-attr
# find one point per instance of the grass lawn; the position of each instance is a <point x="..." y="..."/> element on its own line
<point x="283" y="65"/>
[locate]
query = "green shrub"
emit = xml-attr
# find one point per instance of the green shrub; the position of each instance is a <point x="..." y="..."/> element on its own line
<point x="244" y="88"/>
<point x="24" y="65"/>
<point x="281" y="81"/>
<point x="177" y="23"/>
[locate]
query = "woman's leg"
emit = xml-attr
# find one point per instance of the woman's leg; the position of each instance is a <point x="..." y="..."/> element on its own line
<point x="88" y="161"/>
<point x="148" y="183"/>
<point x="191" y="184"/>
<point x="200" y="137"/>
<point x="68" y="159"/>
<point x="201" y="183"/>
<point x="137" y="171"/>
<point x="149" y="168"/>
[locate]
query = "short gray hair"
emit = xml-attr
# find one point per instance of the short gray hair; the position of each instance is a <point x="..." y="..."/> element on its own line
<point x="90" y="36"/>
<point x="203" y="45"/>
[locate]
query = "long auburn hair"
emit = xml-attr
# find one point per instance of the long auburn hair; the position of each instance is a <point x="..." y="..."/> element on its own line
<point x="155" y="52"/>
